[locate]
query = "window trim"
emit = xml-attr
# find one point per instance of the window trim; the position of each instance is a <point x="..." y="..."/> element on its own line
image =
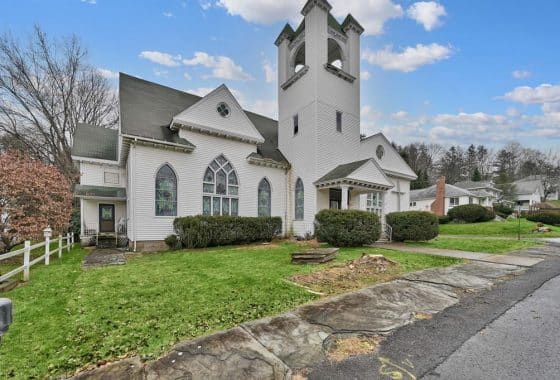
<point x="214" y="194"/>
<point x="176" y="192"/>
<point x="453" y="204"/>
<point x="296" y="218"/>
<point x="339" y="121"/>
<point x="264" y="179"/>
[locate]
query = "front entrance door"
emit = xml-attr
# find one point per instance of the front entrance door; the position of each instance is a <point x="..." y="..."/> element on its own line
<point x="106" y="218"/>
<point x="335" y="198"/>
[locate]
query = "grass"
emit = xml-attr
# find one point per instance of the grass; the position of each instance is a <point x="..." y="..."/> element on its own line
<point x="507" y="228"/>
<point x="476" y="245"/>
<point x="68" y="318"/>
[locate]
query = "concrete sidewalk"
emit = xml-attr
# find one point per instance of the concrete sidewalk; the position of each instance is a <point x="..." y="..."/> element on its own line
<point x="292" y="343"/>
<point x="475" y="256"/>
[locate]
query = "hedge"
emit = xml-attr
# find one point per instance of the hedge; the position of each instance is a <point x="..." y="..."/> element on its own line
<point x="413" y="225"/>
<point x="211" y="231"/>
<point x="503" y="211"/>
<point x="471" y="214"/>
<point x="443" y="220"/>
<point x="347" y="228"/>
<point x="552" y="218"/>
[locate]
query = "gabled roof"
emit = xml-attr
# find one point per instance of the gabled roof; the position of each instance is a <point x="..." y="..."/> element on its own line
<point x="475" y="185"/>
<point x="202" y="116"/>
<point x="148" y="108"/>
<point x="365" y="172"/>
<point x="95" y="142"/>
<point x="523" y="187"/>
<point x="430" y="193"/>
<point x="392" y="163"/>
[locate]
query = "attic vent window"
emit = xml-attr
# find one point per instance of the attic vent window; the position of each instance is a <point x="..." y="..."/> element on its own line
<point x="380" y="152"/>
<point x="223" y="110"/>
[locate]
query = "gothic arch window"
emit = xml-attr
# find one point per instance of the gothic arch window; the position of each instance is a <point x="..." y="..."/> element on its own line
<point x="335" y="57"/>
<point x="299" y="200"/>
<point x="299" y="58"/>
<point x="264" y="198"/>
<point x="166" y="192"/>
<point x="220" y="188"/>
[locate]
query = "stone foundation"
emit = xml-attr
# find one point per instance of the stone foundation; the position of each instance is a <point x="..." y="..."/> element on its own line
<point x="149" y="246"/>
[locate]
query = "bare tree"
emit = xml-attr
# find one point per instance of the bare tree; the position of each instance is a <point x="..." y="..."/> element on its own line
<point x="46" y="89"/>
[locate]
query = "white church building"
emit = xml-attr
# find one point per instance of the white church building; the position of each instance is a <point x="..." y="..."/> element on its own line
<point x="176" y="154"/>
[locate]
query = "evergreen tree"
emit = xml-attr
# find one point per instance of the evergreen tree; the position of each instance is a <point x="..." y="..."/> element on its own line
<point x="476" y="176"/>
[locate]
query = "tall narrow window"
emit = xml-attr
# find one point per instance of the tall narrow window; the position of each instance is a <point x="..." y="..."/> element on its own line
<point x="339" y="121"/>
<point x="221" y="189"/>
<point x="296" y="124"/>
<point x="166" y="192"/>
<point x="264" y="196"/>
<point x="299" y="200"/>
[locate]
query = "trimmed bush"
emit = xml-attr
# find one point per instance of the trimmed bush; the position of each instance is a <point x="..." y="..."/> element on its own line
<point x="443" y="219"/>
<point x="413" y="225"/>
<point x="173" y="242"/>
<point x="551" y="218"/>
<point x="503" y="211"/>
<point x="211" y="231"/>
<point x="470" y="214"/>
<point x="347" y="228"/>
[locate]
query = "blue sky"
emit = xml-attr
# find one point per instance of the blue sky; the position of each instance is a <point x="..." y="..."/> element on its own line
<point x="473" y="71"/>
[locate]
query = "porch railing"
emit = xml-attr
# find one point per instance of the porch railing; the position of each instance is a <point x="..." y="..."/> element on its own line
<point x="388" y="232"/>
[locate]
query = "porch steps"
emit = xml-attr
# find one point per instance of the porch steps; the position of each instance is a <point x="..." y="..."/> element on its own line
<point x="106" y="241"/>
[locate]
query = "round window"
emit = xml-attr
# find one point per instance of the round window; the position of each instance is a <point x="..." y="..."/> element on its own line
<point x="380" y="152"/>
<point x="223" y="110"/>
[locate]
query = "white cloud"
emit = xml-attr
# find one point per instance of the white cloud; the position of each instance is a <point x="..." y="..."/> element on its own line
<point x="521" y="74"/>
<point x="269" y="73"/>
<point x="168" y="14"/>
<point x="365" y="75"/>
<point x="92" y="2"/>
<point x="160" y="58"/>
<point x="410" y="59"/>
<point x="264" y="107"/>
<point x="108" y="74"/>
<point x="372" y="14"/>
<point x="205" y="4"/>
<point x="222" y="67"/>
<point x="187" y="76"/>
<point x="400" y="115"/>
<point x="201" y="91"/>
<point x="545" y="93"/>
<point x="161" y="73"/>
<point x="427" y="13"/>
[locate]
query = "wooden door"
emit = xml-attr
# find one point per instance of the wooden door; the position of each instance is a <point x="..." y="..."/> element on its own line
<point x="106" y="218"/>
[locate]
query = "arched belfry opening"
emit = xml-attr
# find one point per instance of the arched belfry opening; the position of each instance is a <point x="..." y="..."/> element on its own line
<point x="299" y="58"/>
<point x="335" y="55"/>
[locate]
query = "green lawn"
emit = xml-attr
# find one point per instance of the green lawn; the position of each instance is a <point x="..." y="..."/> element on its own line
<point x="508" y="228"/>
<point x="67" y="318"/>
<point x="476" y="245"/>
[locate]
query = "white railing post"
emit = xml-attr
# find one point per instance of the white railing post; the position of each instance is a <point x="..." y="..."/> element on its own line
<point x="59" y="246"/>
<point x="26" y="254"/>
<point x="47" y="250"/>
<point x="68" y="242"/>
<point x="72" y="234"/>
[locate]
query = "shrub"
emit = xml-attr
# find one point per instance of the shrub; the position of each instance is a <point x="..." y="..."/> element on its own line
<point x="443" y="219"/>
<point x="552" y="218"/>
<point x="413" y="225"/>
<point x="347" y="228"/>
<point x="503" y="211"/>
<point x="211" y="231"/>
<point x="471" y="214"/>
<point x="173" y="242"/>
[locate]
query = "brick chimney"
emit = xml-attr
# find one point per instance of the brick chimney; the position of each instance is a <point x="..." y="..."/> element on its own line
<point x="438" y="206"/>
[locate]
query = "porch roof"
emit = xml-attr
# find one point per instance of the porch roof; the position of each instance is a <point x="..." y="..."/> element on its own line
<point x="88" y="191"/>
<point x="364" y="173"/>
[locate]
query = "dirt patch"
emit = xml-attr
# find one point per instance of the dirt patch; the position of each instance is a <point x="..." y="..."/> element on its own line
<point x="355" y="274"/>
<point x="300" y="374"/>
<point x="420" y="315"/>
<point x="357" y="345"/>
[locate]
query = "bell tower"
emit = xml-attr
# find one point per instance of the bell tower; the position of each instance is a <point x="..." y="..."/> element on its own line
<point x="319" y="94"/>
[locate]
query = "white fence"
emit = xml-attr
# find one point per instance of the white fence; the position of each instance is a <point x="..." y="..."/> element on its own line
<point x="26" y="252"/>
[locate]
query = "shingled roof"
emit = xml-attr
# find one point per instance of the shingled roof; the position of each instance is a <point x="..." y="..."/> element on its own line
<point x="95" y="142"/>
<point x="430" y="193"/>
<point x="148" y="108"/>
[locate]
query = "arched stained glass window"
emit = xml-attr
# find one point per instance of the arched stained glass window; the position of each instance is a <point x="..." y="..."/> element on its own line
<point x="264" y="198"/>
<point x="220" y="188"/>
<point x="299" y="200"/>
<point x="166" y="192"/>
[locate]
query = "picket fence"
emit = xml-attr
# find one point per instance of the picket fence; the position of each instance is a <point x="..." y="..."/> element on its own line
<point x="26" y="252"/>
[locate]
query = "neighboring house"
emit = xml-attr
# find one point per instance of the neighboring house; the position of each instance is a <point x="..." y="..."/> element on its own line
<point x="442" y="197"/>
<point x="528" y="192"/>
<point x="177" y="154"/>
<point x="485" y="191"/>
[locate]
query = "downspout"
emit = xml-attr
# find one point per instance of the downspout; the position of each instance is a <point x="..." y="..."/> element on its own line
<point x="286" y="174"/>
<point x="134" y="196"/>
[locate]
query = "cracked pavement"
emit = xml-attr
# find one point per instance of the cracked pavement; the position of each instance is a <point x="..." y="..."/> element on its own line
<point x="279" y="346"/>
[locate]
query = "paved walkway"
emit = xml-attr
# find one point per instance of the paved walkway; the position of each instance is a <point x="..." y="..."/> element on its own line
<point x="476" y="256"/>
<point x="101" y="257"/>
<point x="288" y="344"/>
